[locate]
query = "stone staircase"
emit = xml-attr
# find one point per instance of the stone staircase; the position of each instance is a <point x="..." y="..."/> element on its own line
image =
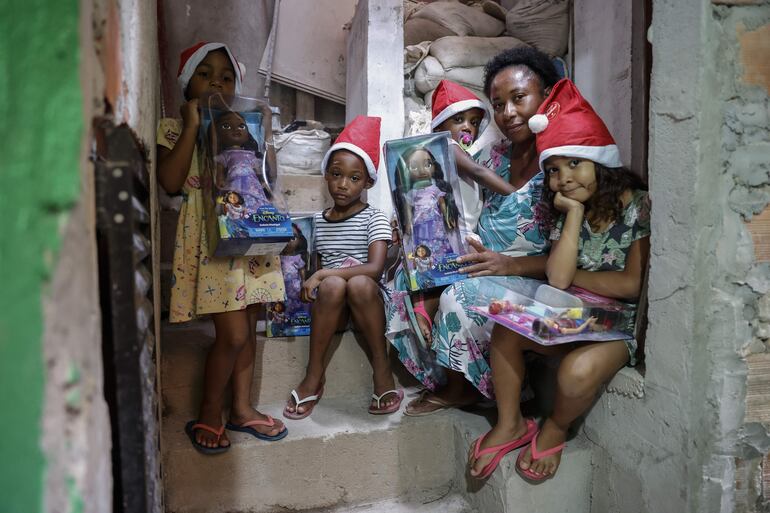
<point x="340" y="459"/>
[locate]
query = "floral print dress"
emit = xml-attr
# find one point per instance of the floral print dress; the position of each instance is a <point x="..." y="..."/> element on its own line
<point x="508" y="224"/>
<point x="200" y="283"/>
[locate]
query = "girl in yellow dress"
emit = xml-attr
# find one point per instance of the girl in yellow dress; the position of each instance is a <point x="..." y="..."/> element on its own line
<point x="231" y="290"/>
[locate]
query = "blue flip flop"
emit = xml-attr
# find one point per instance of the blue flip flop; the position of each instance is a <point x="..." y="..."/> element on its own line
<point x="247" y="427"/>
<point x="190" y="428"/>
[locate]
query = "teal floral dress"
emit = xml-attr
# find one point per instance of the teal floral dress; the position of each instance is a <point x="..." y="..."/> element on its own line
<point x="509" y="225"/>
<point x="608" y="250"/>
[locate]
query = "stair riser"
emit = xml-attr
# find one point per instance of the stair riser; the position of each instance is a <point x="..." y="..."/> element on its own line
<point x="413" y="460"/>
<point x="280" y="365"/>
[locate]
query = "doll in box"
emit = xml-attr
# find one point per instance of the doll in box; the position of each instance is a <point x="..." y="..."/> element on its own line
<point x="293" y="265"/>
<point x="425" y="201"/>
<point x="239" y="162"/>
<point x="548" y="327"/>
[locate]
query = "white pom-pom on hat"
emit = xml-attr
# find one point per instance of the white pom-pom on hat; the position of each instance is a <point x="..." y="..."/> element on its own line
<point x="538" y="123"/>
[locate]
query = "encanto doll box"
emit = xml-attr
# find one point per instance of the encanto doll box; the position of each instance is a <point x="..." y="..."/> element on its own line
<point x="245" y="211"/>
<point x="291" y="318"/>
<point x="425" y="189"/>
<point x="551" y="316"/>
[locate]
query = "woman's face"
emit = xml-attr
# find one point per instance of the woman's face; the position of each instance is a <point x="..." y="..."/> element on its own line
<point x="420" y="165"/>
<point x="515" y="94"/>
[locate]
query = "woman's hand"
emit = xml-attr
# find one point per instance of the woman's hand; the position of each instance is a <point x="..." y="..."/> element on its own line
<point x="308" y="292"/>
<point x="564" y="204"/>
<point x="485" y="262"/>
<point x="190" y="112"/>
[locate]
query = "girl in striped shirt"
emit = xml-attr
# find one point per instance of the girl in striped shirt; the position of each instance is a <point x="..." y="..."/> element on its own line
<point x="351" y="240"/>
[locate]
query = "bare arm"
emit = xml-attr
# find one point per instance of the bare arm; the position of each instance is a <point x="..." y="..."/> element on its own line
<point x="174" y="164"/>
<point x="486" y="262"/>
<point x="625" y="284"/>
<point x="562" y="261"/>
<point x="373" y="268"/>
<point x="467" y="167"/>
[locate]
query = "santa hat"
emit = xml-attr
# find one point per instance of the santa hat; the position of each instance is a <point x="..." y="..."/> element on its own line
<point x="450" y="99"/>
<point x="193" y="56"/>
<point x="567" y="126"/>
<point x="362" y="137"/>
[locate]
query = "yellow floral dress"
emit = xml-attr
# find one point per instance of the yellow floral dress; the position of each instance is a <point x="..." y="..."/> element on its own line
<point x="201" y="284"/>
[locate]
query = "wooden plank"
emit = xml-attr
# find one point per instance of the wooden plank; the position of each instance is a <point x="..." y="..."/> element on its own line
<point x="759" y="227"/>
<point x="757" y="387"/>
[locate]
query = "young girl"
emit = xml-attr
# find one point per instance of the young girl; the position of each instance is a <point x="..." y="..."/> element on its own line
<point x="351" y="240"/>
<point x="599" y="219"/>
<point x="229" y="289"/>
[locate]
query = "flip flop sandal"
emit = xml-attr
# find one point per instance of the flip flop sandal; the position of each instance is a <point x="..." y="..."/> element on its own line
<point x="442" y="405"/>
<point x="248" y="427"/>
<point x="390" y="409"/>
<point x="528" y="475"/>
<point x="502" y="449"/>
<point x="297" y="402"/>
<point x="190" y="428"/>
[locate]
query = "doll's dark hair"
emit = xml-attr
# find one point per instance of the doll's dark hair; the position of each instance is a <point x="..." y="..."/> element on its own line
<point x="540" y="328"/>
<point x="428" y="252"/>
<point x="606" y="203"/>
<point x="538" y="62"/>
<point x="403" y="184"/>
<point x="302" y="245"/>
<point x="237" y="195"/>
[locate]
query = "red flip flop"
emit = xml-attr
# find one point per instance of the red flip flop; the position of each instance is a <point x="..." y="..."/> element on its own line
<point x="527" y="474"/>
<point x="502" y="449"/>
<point x="190" y="428"/>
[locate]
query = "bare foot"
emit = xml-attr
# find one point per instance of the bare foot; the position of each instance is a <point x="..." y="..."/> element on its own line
<point x="306" y="388"/>
<point x="211" y="417"/>
<point x="550" y="436"/>
<point x="239" y="417"/>
<point x="497" y="436"/>
<point x="383" y="382"/>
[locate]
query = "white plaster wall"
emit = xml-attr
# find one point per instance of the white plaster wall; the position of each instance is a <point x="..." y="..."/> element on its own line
<point x="375" y="79"/>
<point x="603" y="64"/>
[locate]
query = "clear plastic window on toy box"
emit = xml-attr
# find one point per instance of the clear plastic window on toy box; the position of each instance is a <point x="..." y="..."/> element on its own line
<point x="551" y="316"/>
<point x="291" y="318"/>
<point x="245" y="211"/>
<point x="425" y="189"/>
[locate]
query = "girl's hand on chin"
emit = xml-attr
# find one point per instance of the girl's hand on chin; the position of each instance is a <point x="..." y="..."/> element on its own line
<point x="564" y="204"/>
<point x="190" y="113"/>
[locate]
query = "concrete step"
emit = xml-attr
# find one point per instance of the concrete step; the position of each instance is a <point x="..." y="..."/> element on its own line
<point x="280" y="366"/>
<point x="569" y="491"/>
<point x="452" y="503"/>
<point x="338" y="457"/>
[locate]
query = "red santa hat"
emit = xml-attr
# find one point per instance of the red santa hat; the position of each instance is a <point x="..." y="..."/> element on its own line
<point x="450" y="99"/>
<point x="193" y="56"/>
<point x="362" y="137"/>
<point x="567" y="126"/>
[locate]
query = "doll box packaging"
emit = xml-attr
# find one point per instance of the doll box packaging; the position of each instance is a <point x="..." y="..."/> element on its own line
<point x="425" y="190"/>
<point x="551" y="316"/>
<point x="245" y="211"/>
<point x="291" y="318"/>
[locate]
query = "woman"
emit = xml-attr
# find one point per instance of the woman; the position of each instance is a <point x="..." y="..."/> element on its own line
<point x="516" y="81"/>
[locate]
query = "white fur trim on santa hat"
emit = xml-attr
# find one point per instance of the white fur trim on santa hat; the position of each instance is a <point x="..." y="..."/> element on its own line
<point x="538" y="123"/>
<point x="458" y="107"/>
<point x="608" y="156"/>
<point x="189" y="67"/>
<point x="354" y="149"/>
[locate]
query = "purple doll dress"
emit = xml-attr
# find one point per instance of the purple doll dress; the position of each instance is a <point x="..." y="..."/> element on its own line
<point x="428" y="223"/>
<point x="241" y="177"/>
<point x="291" y="266"/>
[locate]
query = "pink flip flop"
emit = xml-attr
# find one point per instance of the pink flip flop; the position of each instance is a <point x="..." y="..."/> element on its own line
<point x="502" y="449"/>
<point x="297" y="402"/>
<point x="527" y="474"/>
<point x="390" y="409"/>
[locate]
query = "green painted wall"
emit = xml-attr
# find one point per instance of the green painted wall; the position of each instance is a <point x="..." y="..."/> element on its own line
<point x="40" y="134"/>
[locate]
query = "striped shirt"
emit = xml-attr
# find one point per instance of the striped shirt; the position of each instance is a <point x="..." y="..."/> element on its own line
<point x="340" y="243"/>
